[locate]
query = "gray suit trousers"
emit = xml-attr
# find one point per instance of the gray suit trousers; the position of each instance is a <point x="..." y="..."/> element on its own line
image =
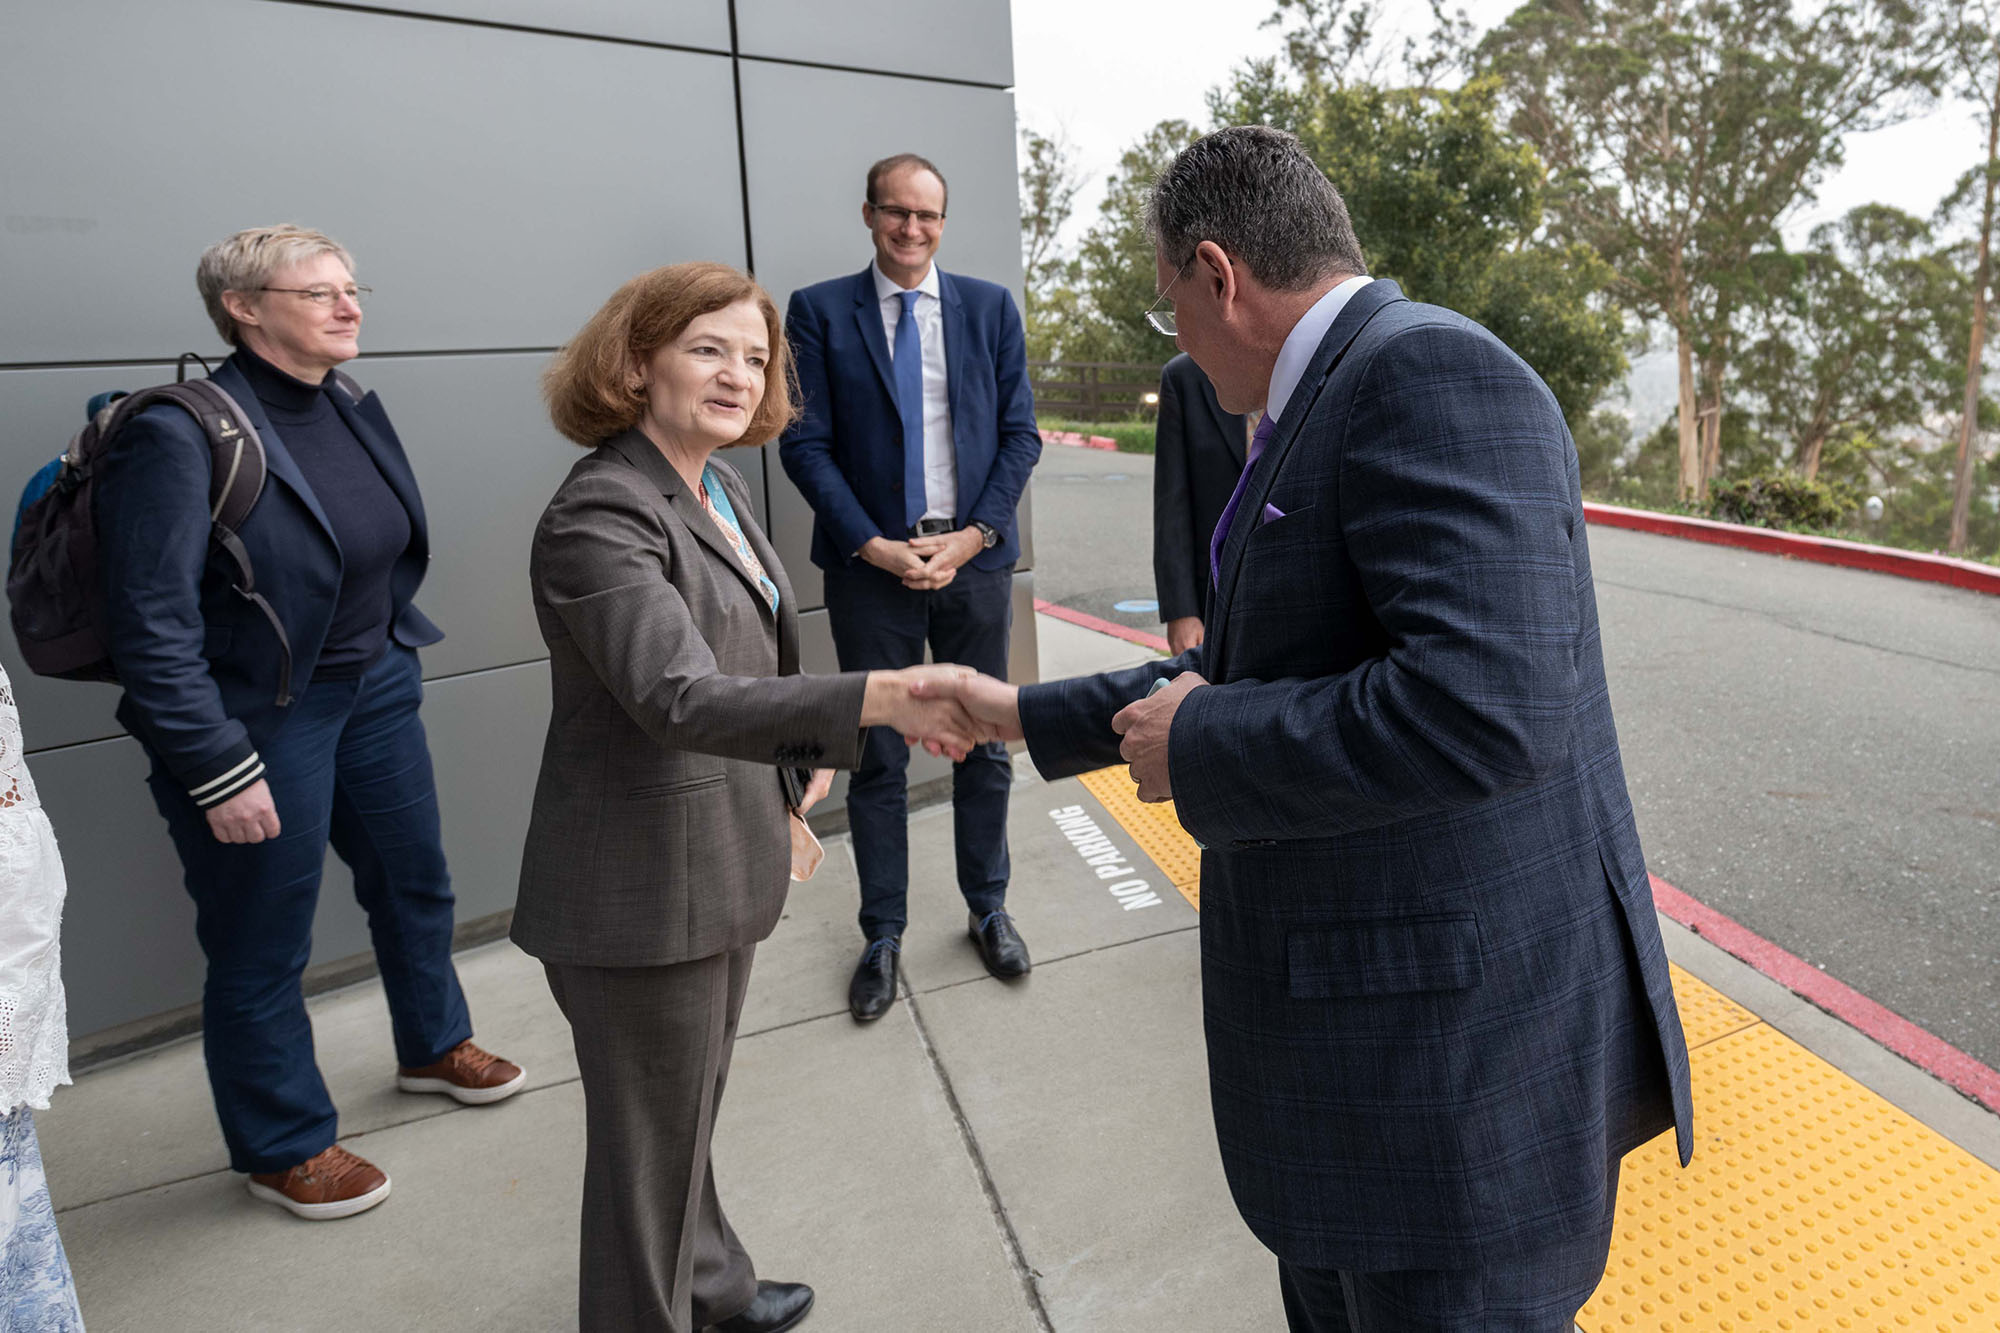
<point x="653" y="1045"/>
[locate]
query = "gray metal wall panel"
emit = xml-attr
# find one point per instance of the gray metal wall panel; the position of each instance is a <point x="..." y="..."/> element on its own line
<point x="494" y="186"/>
<point x="128" y="927"/>
<point x="810" y="136"/>
<point x="487" y="462"/>
<point x="790" y="530"/>
<point x="946" y="39"/>
<point x="702" y="23"/>
<point x="128" y="930"/>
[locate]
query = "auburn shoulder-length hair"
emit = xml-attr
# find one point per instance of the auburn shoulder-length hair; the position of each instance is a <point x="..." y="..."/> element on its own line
<point x="588" y="386"/>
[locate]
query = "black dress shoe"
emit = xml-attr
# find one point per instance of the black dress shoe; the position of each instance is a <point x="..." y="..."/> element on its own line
<point x="776" y="1306"/>
<point x="1000" y="945"/>
<point x="873" y="989"/>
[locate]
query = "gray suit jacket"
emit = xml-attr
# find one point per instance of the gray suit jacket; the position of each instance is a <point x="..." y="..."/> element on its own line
<point x="658" y="832"/>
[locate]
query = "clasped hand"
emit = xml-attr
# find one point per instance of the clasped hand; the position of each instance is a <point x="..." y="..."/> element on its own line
<point x="946" y="709"/>
<point x="925" y="564"/>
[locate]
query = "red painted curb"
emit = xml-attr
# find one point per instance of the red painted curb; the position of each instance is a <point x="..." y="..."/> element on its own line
<point x="1116" y="631"/>
<point x="1824" y="550"/>
<point x="1931" y="1054"/>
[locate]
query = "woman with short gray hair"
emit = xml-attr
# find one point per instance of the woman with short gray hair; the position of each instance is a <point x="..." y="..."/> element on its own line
<point x="277" y="726"/>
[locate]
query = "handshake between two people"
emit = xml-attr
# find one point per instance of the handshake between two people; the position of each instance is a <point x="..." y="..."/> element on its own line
<point x="947" y="709"/>
<point x="950" y="709"/>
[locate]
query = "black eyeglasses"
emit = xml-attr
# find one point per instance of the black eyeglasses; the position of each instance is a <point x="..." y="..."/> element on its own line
<point x="901" y="215"/>
<point x="324" y="297"/>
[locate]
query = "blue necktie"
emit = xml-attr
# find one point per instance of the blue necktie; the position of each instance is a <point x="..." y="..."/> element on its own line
<point x="909" y="367"/>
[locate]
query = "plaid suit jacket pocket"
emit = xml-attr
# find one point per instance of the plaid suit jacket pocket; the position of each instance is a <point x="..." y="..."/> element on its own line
<point x="1402" y="957"/>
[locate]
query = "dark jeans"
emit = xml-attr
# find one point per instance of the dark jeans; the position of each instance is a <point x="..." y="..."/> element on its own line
<point x="350" y="767"/>
<point x="878" y="624"/>
<point x="1540" y="1293"/>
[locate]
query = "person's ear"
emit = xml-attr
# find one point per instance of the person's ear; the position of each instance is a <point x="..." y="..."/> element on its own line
<point x="1217" y="273"/>
<point x="240" y="308"/>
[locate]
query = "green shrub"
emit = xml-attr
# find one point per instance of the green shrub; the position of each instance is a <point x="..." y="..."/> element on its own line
<point x="1134" y="437"/>
<point x="1783" y="500"/>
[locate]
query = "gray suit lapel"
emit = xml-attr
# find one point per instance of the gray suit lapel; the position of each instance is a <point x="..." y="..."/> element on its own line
<point x="641" y="453"/>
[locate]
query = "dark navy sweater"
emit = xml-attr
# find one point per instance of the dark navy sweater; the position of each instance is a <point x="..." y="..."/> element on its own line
<point x="369" y="523"/>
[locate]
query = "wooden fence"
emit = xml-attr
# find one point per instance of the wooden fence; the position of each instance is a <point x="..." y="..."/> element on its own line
<point x="1095" y="390"/>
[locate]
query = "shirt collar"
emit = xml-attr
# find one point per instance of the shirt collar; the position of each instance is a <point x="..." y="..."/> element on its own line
<point x="887" y="287"/>
<point x="1303" y="341"/>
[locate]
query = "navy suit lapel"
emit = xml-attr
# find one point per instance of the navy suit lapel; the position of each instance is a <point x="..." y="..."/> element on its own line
<point x="278" y="460"/>
<point x="868" y="318"/>
<point x="954" y="363"/>
<point x="1363" y="306"/>
<point x="370" y="425"/>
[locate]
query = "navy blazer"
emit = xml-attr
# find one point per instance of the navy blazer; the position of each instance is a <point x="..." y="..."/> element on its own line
<point x="845" y="452"/>
<point x="200" y="664"/>
<point x="1436" y="1000"/>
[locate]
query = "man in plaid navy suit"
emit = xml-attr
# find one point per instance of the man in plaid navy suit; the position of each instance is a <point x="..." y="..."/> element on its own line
<point x="1436" y="1001"/>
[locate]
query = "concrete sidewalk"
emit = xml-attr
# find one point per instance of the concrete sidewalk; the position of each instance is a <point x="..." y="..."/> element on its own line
<point x="1033" y="1156"/>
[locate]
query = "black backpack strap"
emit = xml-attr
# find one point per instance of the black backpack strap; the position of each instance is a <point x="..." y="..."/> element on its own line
<point x="236" y="453"/>
<point x="355" y="393"/>
<point x="246" y="587"/>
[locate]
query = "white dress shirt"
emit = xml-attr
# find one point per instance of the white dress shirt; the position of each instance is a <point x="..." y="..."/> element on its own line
<point x="940" y="463"/>
<point x="1303" y="341"/>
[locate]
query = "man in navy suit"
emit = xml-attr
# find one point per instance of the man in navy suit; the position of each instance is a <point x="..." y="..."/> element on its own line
<point x="916" y="440"/>
<point x="1437" y="1004"/>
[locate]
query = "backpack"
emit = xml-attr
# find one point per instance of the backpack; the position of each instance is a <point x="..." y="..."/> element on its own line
<point x="54" y="577"/>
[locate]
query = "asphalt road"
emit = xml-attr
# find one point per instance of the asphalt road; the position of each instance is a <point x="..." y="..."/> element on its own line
<point x="1813" y="751"/>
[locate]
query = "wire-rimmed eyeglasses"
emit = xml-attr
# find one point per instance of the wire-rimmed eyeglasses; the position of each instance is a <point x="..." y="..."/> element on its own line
<point x="324" y="297"/>
<point x="1162" y="321"/>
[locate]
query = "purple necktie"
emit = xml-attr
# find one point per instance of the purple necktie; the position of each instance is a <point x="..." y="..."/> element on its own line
<point x="1265" y="429"/>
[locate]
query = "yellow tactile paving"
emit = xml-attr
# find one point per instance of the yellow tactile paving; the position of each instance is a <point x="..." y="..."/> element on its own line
<point x="1706" y="1013"/>
<point x="1812" y="1204"/>
<point x="1156" y="828"/>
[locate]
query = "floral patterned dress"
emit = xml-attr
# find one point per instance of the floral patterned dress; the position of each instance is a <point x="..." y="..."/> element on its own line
<point x="36" y="1294"/>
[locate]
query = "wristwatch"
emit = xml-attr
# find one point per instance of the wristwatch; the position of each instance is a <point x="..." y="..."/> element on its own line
<point x="988" y="534"/>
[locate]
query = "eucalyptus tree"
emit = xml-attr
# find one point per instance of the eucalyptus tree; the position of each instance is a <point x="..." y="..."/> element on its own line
<point x="1974" y="62"/>
<point x="1680" y="133"/>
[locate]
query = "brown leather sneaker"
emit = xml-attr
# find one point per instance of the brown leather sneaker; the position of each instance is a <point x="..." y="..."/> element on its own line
<point x="331" y="1184"/>
<point x="468" y="1074"/>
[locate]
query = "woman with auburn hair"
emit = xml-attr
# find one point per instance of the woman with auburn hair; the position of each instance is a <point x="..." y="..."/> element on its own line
<point x="683" y="747"/>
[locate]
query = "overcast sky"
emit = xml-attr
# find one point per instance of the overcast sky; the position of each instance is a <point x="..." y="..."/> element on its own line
<point x="1103" y="72"/>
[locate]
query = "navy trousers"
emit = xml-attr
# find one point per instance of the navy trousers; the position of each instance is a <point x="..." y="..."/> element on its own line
<point x="1540" y="1293"/>
<point x="878" y="625"/>
<point x="350" y="767"/>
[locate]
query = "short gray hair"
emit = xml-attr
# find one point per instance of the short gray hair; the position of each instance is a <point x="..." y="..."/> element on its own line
<point x="1255" y="192"/>
<point x="246" y="261"/>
